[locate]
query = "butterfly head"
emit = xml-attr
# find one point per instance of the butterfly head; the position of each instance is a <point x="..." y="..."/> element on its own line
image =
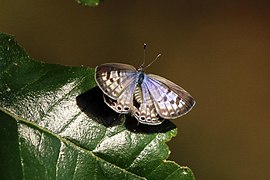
<point x="141" y="68"/>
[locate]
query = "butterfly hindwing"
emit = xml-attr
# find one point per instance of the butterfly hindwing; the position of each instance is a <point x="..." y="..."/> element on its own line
<point x="145" y="111"/>
<point x="124" y="102"/>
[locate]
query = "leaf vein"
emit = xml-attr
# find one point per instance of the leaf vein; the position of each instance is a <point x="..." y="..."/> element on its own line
<point x="60" y="99"/>
<point x="66" y="141"/>
<point x="154" y="137"/>
<point x="64" y="127"/>
<point x="172" y="173"/>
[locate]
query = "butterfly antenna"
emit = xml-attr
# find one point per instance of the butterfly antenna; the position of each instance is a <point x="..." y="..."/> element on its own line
<point x="144" y="52"/>
<point x="152" y="61"/>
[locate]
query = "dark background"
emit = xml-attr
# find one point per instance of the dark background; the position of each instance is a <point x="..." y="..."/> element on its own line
<point x="217" y="50"/>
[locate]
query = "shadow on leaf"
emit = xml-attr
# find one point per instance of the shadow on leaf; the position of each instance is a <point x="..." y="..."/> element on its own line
<point x="92" y="104"/>
<point x="132" y="124"/>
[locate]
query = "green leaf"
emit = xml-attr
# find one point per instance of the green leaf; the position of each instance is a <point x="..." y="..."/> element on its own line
<point x="54" y="124"/>
<point x="89" y="2"/>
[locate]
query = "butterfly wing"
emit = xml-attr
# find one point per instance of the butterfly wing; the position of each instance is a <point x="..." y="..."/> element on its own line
<point x="144" y="109"/>
<point x="170" y="100"/>
<point x="117" y="81"/>
<point x="114" y="78"/>
<point x="124" y="102"/>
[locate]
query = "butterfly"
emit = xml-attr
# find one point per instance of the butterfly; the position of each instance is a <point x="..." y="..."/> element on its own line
<point x="149" y="98"/>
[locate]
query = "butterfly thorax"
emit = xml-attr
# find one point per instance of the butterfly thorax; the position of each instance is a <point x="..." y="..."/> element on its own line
<point x="140" y="77"/>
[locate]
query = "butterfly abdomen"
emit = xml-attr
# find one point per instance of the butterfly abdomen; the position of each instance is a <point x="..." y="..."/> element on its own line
<point x="138" y="94"/>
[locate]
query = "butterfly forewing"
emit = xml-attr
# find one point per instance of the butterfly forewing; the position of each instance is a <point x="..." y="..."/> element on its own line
<point x="114" y="78"/>
<point x="171" y="101"/>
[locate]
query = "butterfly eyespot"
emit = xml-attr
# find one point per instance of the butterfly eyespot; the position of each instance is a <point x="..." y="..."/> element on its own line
<point x="137" y="113"/>
<point x="148" y="119"/>
<point x="126" y="108"/>
<point x="142" y="118"/>
<point x="119" y="108"/>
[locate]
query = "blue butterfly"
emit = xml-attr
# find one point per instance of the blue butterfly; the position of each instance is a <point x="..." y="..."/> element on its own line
<point x="148" y="97"/>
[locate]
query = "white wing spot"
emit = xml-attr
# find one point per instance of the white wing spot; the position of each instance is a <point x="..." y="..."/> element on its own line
<point x="182" y="102"/>
<point x="104" y="78"/>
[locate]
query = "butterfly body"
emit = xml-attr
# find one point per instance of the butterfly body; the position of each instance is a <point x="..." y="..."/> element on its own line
<point x="149" y="98"/>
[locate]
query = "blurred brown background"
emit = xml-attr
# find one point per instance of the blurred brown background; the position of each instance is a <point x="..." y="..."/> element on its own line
<point x="217" y="50"/>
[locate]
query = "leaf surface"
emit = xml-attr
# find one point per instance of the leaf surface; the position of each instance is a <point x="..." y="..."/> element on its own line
<point x="89" y="2"/>
<point x="54" y="124"/>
